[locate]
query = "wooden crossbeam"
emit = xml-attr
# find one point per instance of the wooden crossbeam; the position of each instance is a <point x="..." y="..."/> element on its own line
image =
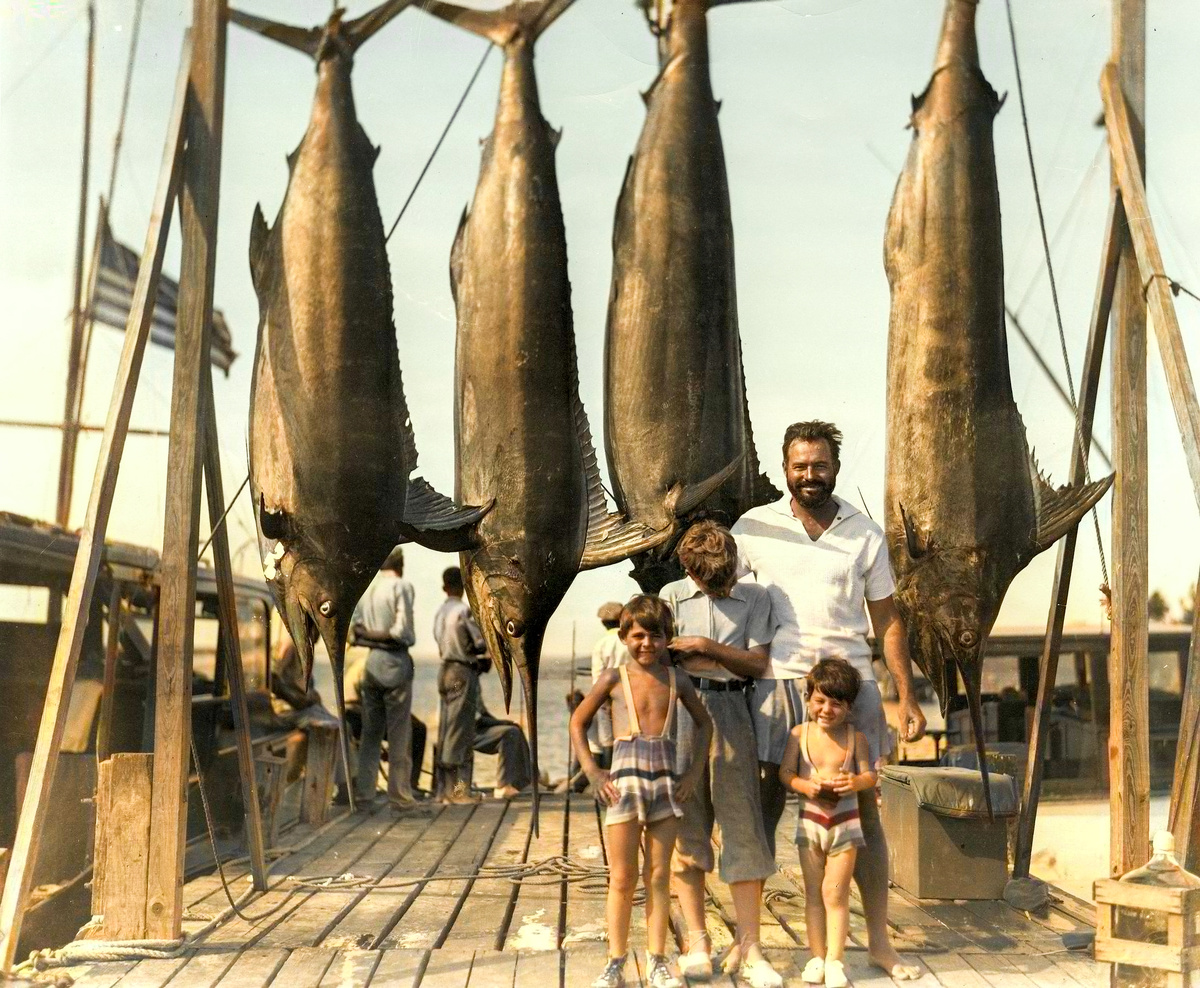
<point x="1185" y="790"/>
<point x="1048" y="673"/>
<point x="1155" y="284"/>
<point x="198" y="202"/>
<point x="91" y="540"/>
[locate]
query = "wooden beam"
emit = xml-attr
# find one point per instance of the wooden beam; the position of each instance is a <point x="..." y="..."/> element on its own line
<point x="91" y="541"/>
<point x="199" y="197"/>
<point x="122" y="848"/>
<point x="231" y="638"/>
<point x="1185" y="790"/>
<point x="112" y="647"/>
<point x="1153" y="284"/>
<point x="1090" y="384"/>
<point x="1129" y="730"/>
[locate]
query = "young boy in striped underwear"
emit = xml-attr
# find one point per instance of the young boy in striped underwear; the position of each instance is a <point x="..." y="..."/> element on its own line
<point x="642" y="791"/>
<point x="828" y="763"/>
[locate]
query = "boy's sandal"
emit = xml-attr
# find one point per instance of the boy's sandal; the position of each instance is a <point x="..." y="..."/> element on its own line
<point x="835" y="975"/>
<point x="814" y="971"/>
<point x="760" y="974"/>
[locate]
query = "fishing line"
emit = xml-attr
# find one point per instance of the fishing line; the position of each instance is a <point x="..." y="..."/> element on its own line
<point x="11" y="89"/>
<point x="433" y="154"/>
<point x="119" y="136"/>
<point x="220" y="521"/>
<point x="1062" y="337"/>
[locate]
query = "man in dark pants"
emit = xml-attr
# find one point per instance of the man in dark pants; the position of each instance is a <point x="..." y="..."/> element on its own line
<point x="383" y="621"/>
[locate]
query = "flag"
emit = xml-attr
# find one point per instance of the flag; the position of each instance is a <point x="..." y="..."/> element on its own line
<point x="113" y="297"/>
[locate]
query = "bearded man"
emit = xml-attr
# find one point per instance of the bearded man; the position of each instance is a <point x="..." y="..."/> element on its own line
<point x="825" y="565"/>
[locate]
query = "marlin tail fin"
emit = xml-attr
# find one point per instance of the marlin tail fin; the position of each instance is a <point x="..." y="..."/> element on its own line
<point x="531" y="17"/>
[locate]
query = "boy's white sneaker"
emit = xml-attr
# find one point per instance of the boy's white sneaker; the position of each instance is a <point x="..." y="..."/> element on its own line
<point x="760" y="974"/>
<point x="814" y="971"/>
<point x="613" y="975"/>
<point x="835" y="975"/>
<point x="658" y="973"/>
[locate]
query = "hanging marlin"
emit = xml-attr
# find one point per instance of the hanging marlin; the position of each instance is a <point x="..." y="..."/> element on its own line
<point x="967" y="507"/>
<point x="520" y="428"/>
<point x="331" y="443"/>
<point x="676" y="421"/>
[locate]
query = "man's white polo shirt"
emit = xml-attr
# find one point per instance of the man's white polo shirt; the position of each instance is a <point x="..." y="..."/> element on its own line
<point x="818" y="587"/>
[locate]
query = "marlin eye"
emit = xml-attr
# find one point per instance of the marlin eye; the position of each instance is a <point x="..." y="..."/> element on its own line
<point x="967" y="639"/>
<point x="514" y="629"/>
<point x="326" y="608"/>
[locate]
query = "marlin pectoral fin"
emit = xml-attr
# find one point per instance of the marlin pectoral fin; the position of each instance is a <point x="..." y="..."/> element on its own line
<point x="272" y="524"/>
<point x="682" y="501"/>
<point x="916" y="541"/>
<point x="436" y="521"/>
<point x="1058" y="509"/>
<point x="618" y="539"/>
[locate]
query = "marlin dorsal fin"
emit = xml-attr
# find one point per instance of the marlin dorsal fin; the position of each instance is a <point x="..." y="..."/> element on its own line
<point x="1058" y="509"/>
<point x="260" y="234"/>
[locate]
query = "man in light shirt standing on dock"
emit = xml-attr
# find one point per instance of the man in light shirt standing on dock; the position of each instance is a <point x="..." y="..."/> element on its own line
<point x="825" y="565"/>
<point x="383" y="621"/>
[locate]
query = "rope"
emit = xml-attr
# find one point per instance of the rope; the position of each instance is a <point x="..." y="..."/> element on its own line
<point x="433" y="154"/>
<point x="1174" y="285"/>
<point x="133" y="42"/>
<point x="1062" y="337"/>
<point x="220" y="521"/>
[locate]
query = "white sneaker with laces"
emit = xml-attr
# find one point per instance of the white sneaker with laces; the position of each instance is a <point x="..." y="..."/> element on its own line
<point x="658" y="973"/>
<point x="613" y="975"/>
<point x="760" y="974"/>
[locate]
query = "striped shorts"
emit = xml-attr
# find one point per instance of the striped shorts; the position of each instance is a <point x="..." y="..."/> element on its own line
<point x="831" y="829"/>
<point x="643" y="770"/>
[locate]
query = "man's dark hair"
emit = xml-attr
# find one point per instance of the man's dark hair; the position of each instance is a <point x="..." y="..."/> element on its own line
<point x="651" y="612"/>
<point x="813" y="432"/>
<point x="452" y="580"/>
<point x="394" y="561"/>
<point x="708" y="552"/>
<point x="836" y="678"/>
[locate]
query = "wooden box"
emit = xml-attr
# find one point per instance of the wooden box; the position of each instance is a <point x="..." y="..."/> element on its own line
<point x="1176" y="963"/>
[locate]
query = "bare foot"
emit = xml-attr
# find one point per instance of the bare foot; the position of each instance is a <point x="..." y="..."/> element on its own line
<point x="896" y="966"/>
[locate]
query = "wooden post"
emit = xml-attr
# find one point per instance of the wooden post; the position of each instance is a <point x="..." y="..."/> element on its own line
<point x="1185" y="790"/>
<point x="319" y="766"/>
<point x="116" y="612"/>
<point x="122" y="848"/>
<point x="1153" y="283"/>
<point x="70" y="434"/>
<point x="230" y="637"/>
<point x="91" y="541"/>
<point x="1092" y="361"/>
<point x="1129" y="730"/>
<point x="199" y="197"/>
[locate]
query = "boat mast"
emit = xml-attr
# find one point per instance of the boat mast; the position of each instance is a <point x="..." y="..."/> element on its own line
<point x="70" y="434"/>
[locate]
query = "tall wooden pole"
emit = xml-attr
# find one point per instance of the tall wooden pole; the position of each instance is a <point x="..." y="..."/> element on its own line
<point x="199" y="199"/>
<point x="70" y="433"/>
<point x="1128" y="746"/>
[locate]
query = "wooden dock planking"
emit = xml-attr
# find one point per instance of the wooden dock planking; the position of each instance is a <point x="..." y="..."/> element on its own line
<point x="304" y="968"/>
<point x="585" y="920"/>
<point x="954" y="971"/>
<point x="204" y="969"/>
<point x="436" y="909"/>
<point x="1042" y="971"/>
<point x="449" y="967"/>
<point x="398" y="968"/>
<point x="308" y="926"/>
<point x="543" y="969"/>
<point x="998" y="972"/>
<point x="104" y="975"/>
<point x="152" y="973"/>
<point x="350" y="969"/>
<point x="254" y="968"/>
<point x="379" y="912"/>
<point x="360" y="926"/>
<point x="981" y="934"/>
<point x="486" y="911"/>
<point x="537" y="920"/>
<point x="494" y="969"/>
<point x="581" y="965"/>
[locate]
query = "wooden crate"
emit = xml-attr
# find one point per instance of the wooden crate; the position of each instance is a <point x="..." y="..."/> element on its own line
<point x="1178" y="959"/>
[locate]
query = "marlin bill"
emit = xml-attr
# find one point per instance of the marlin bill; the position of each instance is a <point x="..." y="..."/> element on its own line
<point x="966" y="506"/>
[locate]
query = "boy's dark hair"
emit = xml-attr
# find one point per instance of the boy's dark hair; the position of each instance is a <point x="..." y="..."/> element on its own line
<point x="708" y="552"/>
<point x="452" y="580"/>
<point x="813" y="432"/>
<point x="836" y="678"/>
<point x="651" y="612"/>
<point x="394" y="561"/>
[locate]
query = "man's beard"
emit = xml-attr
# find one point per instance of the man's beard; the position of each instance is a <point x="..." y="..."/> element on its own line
<point x="815" y="496"/>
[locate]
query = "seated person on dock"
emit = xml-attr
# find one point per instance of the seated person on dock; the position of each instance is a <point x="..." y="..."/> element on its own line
<point x="723" y="628"/>
<point x="828" y="763"/>
<point x="641" y="790"/>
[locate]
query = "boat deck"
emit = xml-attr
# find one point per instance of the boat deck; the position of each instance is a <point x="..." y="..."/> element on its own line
<point x="374" y="899"/>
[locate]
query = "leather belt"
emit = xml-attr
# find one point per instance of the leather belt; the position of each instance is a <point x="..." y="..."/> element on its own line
<point x="720" y="685"/>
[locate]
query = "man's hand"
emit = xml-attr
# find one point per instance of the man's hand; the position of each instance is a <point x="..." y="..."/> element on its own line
<point x="690" y="646"/>
<point x="687" y="786"/>
<point x="574" y="699"/>
<point x="912" y="720"/>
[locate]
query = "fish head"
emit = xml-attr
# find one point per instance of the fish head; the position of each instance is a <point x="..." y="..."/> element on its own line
<point x="316" y="604"/>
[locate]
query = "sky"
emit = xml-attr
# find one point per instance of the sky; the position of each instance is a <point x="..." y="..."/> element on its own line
<point x="815" y="103"/>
